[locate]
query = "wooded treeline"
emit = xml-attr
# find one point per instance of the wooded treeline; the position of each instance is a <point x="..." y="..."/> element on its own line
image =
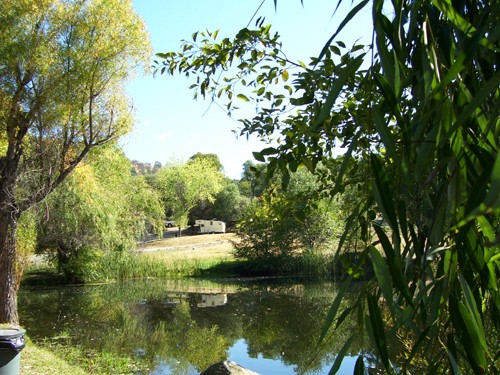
<point x="105" y="208"/>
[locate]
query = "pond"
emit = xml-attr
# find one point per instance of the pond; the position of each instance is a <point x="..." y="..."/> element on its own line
<point x="270" y="326"/>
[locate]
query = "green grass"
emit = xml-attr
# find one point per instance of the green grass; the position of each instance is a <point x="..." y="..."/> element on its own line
<point x="189" y="256"/>
<point x="37" y="360"/>
<point x="177" y="258"/>
<point x="52" y="358"/>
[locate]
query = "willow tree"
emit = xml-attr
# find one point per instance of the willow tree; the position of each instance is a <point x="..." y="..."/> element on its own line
<point x="99" y="209"/>
<point x="422" y="105"/>
<point x="63" y="65"/>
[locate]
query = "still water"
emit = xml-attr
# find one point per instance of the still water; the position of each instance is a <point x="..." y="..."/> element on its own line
<point x="183" y="326"/>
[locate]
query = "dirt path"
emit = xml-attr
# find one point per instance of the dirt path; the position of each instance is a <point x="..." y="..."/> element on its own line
<point x="186" y="242"/>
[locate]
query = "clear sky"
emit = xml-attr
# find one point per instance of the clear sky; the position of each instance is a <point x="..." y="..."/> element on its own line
<point x="169" y="123"/>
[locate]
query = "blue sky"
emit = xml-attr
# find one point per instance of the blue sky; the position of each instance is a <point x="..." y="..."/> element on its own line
<point x="170" y="125"/>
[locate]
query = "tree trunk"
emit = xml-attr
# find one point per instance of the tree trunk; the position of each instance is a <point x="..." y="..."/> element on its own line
<point x="8" y="282"/>
<point x="9" y="214"/>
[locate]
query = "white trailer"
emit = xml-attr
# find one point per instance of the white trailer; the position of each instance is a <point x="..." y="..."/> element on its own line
<point x="211" y="226"/>
<point x="212" y="300"/>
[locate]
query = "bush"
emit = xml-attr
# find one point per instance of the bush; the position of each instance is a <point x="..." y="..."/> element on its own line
<point x="280" y="227"/>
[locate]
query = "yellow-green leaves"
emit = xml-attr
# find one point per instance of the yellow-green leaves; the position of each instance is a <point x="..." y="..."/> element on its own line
<point x="243" y="97"/>
<point x="183" y="185"/>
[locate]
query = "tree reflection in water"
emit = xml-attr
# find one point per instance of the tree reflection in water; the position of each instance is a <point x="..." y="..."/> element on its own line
<point x="188" y="326"/>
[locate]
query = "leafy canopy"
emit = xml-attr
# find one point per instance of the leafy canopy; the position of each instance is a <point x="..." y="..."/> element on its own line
<point x="99" y="209"/>
<point x="63" y="67"/>
<point x="183" y="185"/>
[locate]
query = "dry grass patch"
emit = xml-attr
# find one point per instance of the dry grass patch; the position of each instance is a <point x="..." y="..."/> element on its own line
<point x="195" y="240"/>
<point x="199" y="248"/>
<point x="213" y="252"/>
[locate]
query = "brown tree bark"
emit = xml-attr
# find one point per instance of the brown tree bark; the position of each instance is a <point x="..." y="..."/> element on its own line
<point x="17" y="127"/>
<point x="8" y="282"/>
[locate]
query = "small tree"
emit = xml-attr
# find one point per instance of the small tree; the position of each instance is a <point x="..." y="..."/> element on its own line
<point x="182" y="186"/>
<point x="253" y="180"/>
<point x="229" y="204"/>
<point x="283" y="223"/>
<point x="211" y="158"/>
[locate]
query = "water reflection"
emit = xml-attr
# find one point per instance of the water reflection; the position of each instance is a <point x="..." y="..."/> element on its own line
<point x="179" y="327"/>
<point x="212" y="300"/>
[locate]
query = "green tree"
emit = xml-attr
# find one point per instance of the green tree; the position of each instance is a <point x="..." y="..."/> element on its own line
<point x="253" y="180"/>
<point x="182" y="186"/>
<point x="211" y="158"/>
<point x="63" y="65"/>
<point x="424" y="110"/>
<point x="282" y="224"/>
<point x="229" y="204"/>
<point x="98" y="209"/>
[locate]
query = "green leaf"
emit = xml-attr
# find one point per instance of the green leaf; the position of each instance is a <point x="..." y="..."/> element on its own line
<point x="284" y="75"/>
<point x="336" y="50"/>
<point x="394" y="261"/>
<point x="344" y="22"/>
<point x="385" y="135"/>
<point x="342" y="317"/>
<point x="474" y="313"/>
<point x="340" y="355"/>
<point x="338" y="84"/>
<point x="461" y="23"/>
<point x="475" y="351"/>
<point x="491" y="200"/>
<point x="346" y="159"/>
<point x="377" y="331"/>
<point x="383" y="193"/>
<point x="359" y="367"/>
<point x="269" y="151"/>
<point x="493" y="197"/>
<point x="243" y="97"/>
<point x="479" y="97"/>
<point x="453" y="362"/>
<point x="383" y="34"/>
<point x="383" y="276"/>
<point x="258" y="156"/>
<point x="332" y="313"/>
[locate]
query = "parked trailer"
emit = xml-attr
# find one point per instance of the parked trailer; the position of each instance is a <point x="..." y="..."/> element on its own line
<point x="211" y="226"/>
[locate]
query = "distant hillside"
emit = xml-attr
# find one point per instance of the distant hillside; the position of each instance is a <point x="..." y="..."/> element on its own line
<point x="140" y="168"/>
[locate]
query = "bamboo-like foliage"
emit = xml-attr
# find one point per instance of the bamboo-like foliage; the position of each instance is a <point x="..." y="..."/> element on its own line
<point x="422" y="105"/>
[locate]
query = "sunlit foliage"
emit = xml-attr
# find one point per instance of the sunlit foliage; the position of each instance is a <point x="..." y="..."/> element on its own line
<point x="100" y="208"/>
<point x="63" y="68"/>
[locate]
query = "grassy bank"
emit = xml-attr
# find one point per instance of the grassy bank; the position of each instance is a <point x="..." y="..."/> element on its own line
<point x="36" y="360"/>
<point x="166" y="258"/>
<point x="189" y="256"/>
<point x="40" y="359"/>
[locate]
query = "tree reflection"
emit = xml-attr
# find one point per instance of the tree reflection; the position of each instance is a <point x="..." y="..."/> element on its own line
<point x="182" y="338"/>
<point x="152" y="323"/>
